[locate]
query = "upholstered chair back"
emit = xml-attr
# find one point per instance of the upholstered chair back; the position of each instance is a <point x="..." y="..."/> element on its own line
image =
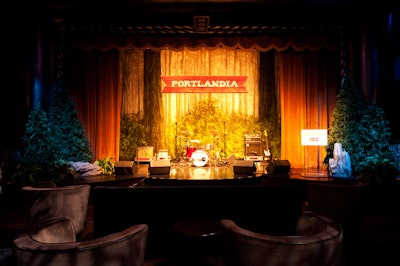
<point x="44" y="203"/>
<point x="316" y="241"/>
<point x="53" y="243"/>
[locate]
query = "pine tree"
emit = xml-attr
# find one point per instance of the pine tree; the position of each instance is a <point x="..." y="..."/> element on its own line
<point x="39" y="152"/>
<point x="50" y="142"/>
<point x="363" y="132"/>
<point x="375" y="161"/>
<point x="38" y="145"/>
<point x="70" y="138"/>
<point x="348" y="111"/>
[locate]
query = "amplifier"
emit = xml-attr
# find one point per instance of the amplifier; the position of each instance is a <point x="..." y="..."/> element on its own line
<point x="144" y="154"/>
<point x="252" y="146"/>
<point x="255" y="137"/>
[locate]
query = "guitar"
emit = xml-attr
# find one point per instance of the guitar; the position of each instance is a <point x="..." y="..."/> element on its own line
<point x="267" y="152"/>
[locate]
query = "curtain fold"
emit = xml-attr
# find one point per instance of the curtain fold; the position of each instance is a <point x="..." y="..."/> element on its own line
<point x="308" y="87"/>
<point x="92" y="79"/>
<point x="217" y="62"/>
<point x="269" y="104"/>
<point x="132" y="83"/>
<point x="154" y="109"/>
<point x="297" y="88"/>
<point x="312" y="42"/>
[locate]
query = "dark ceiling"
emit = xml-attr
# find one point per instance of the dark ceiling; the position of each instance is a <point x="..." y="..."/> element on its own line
<point x="161" y="17"/>
<point x="176" y="17"/>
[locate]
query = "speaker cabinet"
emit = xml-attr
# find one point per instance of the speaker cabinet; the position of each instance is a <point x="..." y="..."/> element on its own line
<point x="123" y="167"/>
<point x="159" y="167"/>
<point x="278" y="167"/>
<point x="252" y="147"/>
<point x="244" y="167"/>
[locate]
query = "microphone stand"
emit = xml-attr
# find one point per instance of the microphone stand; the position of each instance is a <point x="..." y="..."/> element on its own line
<point x="224" y="151"/>
<point x="176" y="141"/>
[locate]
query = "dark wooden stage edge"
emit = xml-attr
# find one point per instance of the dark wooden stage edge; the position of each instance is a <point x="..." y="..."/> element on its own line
<point x="188" y="172"/>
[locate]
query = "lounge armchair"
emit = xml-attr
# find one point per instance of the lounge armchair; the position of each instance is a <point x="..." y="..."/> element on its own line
<point x="53" y="243"/>
<point x="317" y="240"/>
<point x="44" y="203"/>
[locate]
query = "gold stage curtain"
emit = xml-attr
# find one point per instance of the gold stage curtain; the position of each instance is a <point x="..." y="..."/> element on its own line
<point x="308" y="87"/>
<point x="307" y="83"/>
<point x="93" y="84"/>
<point x="141" y="93"/>
<point x="132" y="83"/>
<point x="211" y="62"/>
<point x="141" y="86"/>
<point x="154" y="110"/>
<point x="104" y="87"/>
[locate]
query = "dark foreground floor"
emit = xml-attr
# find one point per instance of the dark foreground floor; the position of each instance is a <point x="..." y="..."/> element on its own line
<point x="12" y="223"/>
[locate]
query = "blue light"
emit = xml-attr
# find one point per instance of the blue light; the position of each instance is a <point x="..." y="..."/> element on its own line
<point x="390" y="22"/>
<point x="37" y="93"/>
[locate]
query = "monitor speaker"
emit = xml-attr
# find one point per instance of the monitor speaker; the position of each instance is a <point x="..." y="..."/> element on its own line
<point x="159" y="167"/>
<point x="244" y="167"/>
<point x="278" y="167"/>
<point x="123" y="167"/>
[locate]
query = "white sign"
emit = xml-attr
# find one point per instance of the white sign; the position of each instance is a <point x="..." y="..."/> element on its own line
<point x="314" y="137"/>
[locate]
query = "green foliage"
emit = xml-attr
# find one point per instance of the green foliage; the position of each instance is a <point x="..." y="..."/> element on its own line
<point x="71" y="141"/>
<point x="52" y="140"/>
<point x="348" y="111"/>
<point x="38" y="139"/>
<point x="106" y="165"/>
<point x="206" y="123"/>
<point x="364" y="133"/>
<point x="28" y="173"/>
<point x="132" y="136"/>
<point x="379" y="169"/>
<point x="376" y="162"/>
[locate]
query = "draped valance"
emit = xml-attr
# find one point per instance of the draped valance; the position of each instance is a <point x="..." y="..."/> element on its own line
<point x="261" y="43"/>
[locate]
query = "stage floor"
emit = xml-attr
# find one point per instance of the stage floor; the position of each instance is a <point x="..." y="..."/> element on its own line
<point x="179" y="171"/>
<point x="222" y="171"/>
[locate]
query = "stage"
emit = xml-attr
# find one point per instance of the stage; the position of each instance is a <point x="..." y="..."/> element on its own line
<point x="138" y="174"/>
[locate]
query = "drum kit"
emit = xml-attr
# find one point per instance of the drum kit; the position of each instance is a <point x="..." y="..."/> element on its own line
<point x="200" y="155"/>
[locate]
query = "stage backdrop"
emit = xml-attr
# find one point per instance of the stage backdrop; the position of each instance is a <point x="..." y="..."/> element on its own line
<point x="305" y="82"/>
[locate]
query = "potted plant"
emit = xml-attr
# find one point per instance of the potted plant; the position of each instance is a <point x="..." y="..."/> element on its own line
<point x="106" y="165"/>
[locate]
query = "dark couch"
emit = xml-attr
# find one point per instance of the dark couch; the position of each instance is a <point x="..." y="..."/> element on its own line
<point x="272" y="209"/>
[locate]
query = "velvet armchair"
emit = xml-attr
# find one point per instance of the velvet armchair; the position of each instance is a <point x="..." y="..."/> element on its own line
<point x="316" y="241"/>
<point x="43" y="203"/>
<point x="53" y="242"/>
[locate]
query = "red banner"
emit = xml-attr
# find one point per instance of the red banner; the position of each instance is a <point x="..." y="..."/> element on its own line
<point x="189" y="84"/>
